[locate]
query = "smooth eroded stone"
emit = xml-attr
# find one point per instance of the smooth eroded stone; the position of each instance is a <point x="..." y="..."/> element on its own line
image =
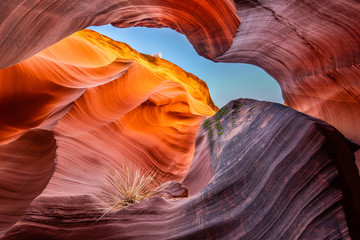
<point x="26" y="166"/>
<point x="271" y="173"/>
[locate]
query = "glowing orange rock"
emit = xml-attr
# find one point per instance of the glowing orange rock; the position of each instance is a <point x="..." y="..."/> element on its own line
<point x="106" y="104"/>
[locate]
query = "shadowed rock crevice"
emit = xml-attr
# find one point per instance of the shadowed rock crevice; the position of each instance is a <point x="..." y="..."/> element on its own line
<point x="26" y="166"/>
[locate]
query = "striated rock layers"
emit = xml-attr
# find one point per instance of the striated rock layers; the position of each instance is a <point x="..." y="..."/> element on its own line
<point x="28" y="26"/>
<point x="85" y="103"/>
<point x="90" y="104"/>
<point x="312" y="48"/>
<point x="261" y="171"/>
<point x="26" y="167"/>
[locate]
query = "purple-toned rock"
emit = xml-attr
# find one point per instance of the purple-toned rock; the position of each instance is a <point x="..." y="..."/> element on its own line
<point x="261" y="171"/>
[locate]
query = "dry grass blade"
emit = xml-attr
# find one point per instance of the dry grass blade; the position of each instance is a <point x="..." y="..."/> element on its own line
<point x="130" y="186"/>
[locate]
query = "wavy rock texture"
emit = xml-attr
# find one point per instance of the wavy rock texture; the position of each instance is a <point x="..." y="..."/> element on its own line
<point x="312" y="48"/>
<point x="27" y="26"/>
<point x="272" y="173"/>
<point x="27" y="165"/>
<point x="279" y="174"/>
<point x="107" y="104"/>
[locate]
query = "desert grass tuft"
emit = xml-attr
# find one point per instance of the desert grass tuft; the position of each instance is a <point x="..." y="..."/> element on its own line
<point x="130" y="186"/>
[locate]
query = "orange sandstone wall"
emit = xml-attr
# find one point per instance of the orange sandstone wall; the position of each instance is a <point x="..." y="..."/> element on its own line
<point x="99" y="104"/>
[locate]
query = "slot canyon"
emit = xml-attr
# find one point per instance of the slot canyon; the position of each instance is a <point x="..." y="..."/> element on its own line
<point x="76" y="105"/>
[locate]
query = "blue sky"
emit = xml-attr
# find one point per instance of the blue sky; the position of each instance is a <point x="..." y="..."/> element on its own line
<point x="226" y="81"/>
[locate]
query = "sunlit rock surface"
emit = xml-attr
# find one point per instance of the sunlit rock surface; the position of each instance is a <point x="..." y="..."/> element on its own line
<point x="106" y="104"/>
<point x="268" y="173"/>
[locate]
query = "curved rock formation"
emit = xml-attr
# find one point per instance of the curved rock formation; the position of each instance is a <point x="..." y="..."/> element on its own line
<point x="27" y="27"/>
<point x="269" y="172"/>
<point x="311" y="48"/>
<point x="26" y="167"/>
<point x="107" y="104"/>
<point x="279" y="174"/>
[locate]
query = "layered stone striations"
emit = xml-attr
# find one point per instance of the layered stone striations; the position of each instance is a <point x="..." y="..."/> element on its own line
<point x="269" y="173"/>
